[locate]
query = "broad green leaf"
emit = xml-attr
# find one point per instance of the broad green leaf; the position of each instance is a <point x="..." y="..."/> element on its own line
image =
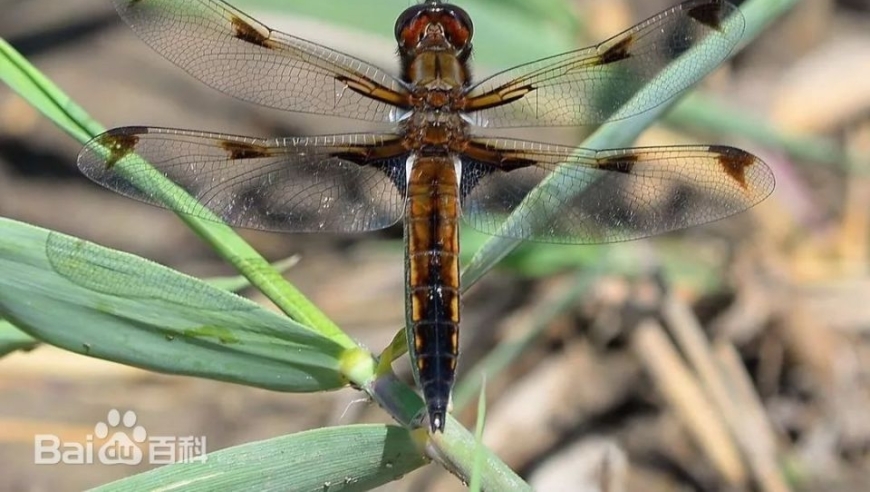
<point x="13" y="339"/>
<point x="119" y="307"/>
<point x="349" y="458"/>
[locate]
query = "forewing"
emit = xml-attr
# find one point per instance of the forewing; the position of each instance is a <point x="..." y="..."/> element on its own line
<point x="232" y="52"/>
<point x="589" y="85"/>
<point x="587" y="196"/>
<point x="341" y="183"/>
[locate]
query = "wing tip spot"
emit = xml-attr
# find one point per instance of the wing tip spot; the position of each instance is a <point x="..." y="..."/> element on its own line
<point x="711" y="14"/>
<point x="734" y="162"/>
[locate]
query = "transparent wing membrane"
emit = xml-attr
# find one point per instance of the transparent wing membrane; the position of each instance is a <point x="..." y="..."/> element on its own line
<point x="589" y="85"/>
<point x="230" y="51"/>
<point x="330" y="184"/>
<point x="589" y="196"/>
<point x="357" y="182"/>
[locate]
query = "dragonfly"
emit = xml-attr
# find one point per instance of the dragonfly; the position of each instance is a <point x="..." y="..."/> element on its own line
<point x="441" y="157"/>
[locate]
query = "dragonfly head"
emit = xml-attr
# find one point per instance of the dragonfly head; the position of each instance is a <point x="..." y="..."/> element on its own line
<point x="434" y="25"/>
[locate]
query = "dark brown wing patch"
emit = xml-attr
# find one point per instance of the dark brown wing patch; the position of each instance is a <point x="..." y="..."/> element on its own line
<point x="369" y="89"/>
<point x="249" y="33"/>
<point x="619" y="51"/>
<point x="119" y="144"/>
<point x="710" y="14"/>
<point x="620" y="164"/>
<point x="734" y="162"/>
<point x="503" y="159"/>
<point x="501" y="96"/>
<point x="243" y="150"/>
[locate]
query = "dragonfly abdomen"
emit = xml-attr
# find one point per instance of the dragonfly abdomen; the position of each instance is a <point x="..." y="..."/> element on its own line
<point x="432" y="238"/>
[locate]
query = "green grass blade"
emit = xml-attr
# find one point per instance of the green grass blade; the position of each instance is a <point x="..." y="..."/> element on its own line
<point x="42" y="94"/>
<point x="479" y="454"/>
<point x="116" y="306"/>
<point x="334" y="459"/>
<point x="458" y="450"/>
<point x="237" y="283"/>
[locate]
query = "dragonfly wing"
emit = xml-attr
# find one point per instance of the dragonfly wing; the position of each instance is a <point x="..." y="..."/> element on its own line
<point x="588" y="86"/>
<point x="581" y="196"/>
<point x="340" y="183"/>
<point x="232" y="52"/>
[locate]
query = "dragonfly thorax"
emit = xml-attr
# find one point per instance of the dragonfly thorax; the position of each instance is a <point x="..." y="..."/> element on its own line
<point x="436" y="71"/>
<point x="435" y="128"/>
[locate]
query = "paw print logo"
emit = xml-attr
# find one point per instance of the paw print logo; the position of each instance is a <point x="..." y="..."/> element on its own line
<point x="123" y="435"/>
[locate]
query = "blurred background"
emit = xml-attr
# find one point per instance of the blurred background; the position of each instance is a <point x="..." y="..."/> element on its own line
<point x="732" y="356"/>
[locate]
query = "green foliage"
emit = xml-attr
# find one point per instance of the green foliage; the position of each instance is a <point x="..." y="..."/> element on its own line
<point x="347" y="458"/>
<point x="112" y="305"/>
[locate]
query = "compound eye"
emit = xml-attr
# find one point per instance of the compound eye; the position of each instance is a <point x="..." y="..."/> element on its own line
<point x="407" y="18"/>
<point x="463" y="18"/>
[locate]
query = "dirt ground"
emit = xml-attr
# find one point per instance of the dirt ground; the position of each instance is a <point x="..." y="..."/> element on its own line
<point x="737" y="357"/>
